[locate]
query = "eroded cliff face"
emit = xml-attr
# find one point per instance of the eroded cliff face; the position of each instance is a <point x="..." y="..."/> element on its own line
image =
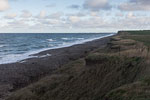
<point x="99" y="76"/>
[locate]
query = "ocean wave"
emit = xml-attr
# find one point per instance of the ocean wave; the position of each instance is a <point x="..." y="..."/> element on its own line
<point x="21" y="57"/>
<point x="80" y="38"/>
<point x="2" y="46"/>
<point x="50" y="45"/>
<point x="65" y="38"/>
<point x="65" y="43"/>
<point x="50" y="40"/>
<point x="73" y="38"/>
<point x="14" y="58"/>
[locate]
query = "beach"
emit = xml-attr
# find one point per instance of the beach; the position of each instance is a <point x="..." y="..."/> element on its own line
<point x="17" y="75"/>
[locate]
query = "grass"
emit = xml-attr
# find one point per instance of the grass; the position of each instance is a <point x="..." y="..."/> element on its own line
<point x="140" y="32"/>
<point x="77" y="81"/>
<point x="98" y="58"/>
<point x="141" y="36"/>
<point x="136" y="91"/>
<point x="101" y="75"/>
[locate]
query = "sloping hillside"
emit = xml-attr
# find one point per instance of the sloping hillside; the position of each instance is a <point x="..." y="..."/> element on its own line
<point x="102" y="75"/>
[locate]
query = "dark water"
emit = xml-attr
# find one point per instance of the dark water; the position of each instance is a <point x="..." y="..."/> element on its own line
<point x="16" y="47"/>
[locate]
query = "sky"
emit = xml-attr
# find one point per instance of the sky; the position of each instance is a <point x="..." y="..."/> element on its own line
<point x="73" y="16"/>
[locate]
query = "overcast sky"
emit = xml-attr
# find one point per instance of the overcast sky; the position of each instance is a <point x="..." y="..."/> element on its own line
<point x="73" y="15"/>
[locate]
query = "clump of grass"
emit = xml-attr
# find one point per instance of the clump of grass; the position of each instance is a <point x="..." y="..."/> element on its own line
<point x="117" y="94"/>
<point x="133" y="91"/>
<point x="146" y="80"/>
<point x="141" y="38"/>
<point x="98" y="58"/>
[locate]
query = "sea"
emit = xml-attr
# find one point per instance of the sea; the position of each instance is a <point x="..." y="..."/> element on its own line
<point x="15" y="47"/>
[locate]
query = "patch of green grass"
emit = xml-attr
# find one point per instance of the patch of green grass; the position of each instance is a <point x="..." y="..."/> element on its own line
<point x="139" y="32"/>
<point x="141" y="38"/>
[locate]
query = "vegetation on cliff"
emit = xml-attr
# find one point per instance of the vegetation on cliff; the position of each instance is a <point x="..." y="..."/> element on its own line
<point x="119" y="71"/>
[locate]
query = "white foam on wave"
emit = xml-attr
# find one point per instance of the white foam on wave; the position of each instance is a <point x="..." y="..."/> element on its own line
<point x="50" y="40"/>
<point x="2" y="46"/>
<point x="73" y="38"/>
<point x="12" y="58"/>
<point x="65" y="38"/>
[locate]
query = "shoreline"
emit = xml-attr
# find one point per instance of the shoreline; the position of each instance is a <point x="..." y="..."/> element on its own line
<point x="38" y="54"/>
<point x="32" y="54"/>
<point x="17" y="75"/>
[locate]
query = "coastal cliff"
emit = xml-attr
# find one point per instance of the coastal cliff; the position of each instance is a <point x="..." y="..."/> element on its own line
<point x="118" y="71"/>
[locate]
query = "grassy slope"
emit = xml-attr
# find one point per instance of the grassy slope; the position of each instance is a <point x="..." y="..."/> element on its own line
<point x="142" y="36"/>
<point x="139" y="90"/>
<point x="100" y="76"/>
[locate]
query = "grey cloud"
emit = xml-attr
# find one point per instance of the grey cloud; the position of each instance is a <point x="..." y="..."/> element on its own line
<point x="96" y="5"/>
<point x="135" y="5"/>
<point x="74" y="6"/>
<point x="79" y="14"/>
<point x="140" y="1"/>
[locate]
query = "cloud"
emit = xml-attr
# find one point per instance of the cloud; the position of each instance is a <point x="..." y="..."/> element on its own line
<point x="130" y="15"/>
<point x="140" y="1"/>
<point x="16" y="24"/>
<point x="119" y="14"/>
<point x="26" y="14"/>
<point x="51" y="5"/>
<point x="56" y="15"/>
<point x="135" y="5"/>
<point x="4" y="5"/>
<point x="11" y="16"/>
<point x="96" y="5"/>
<point x="133" y="22"/>
<point x="42" y="14"/>
<point x="79" y="14"/>
<point x="74" y="19"/>
<point x="74" y="6"/>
